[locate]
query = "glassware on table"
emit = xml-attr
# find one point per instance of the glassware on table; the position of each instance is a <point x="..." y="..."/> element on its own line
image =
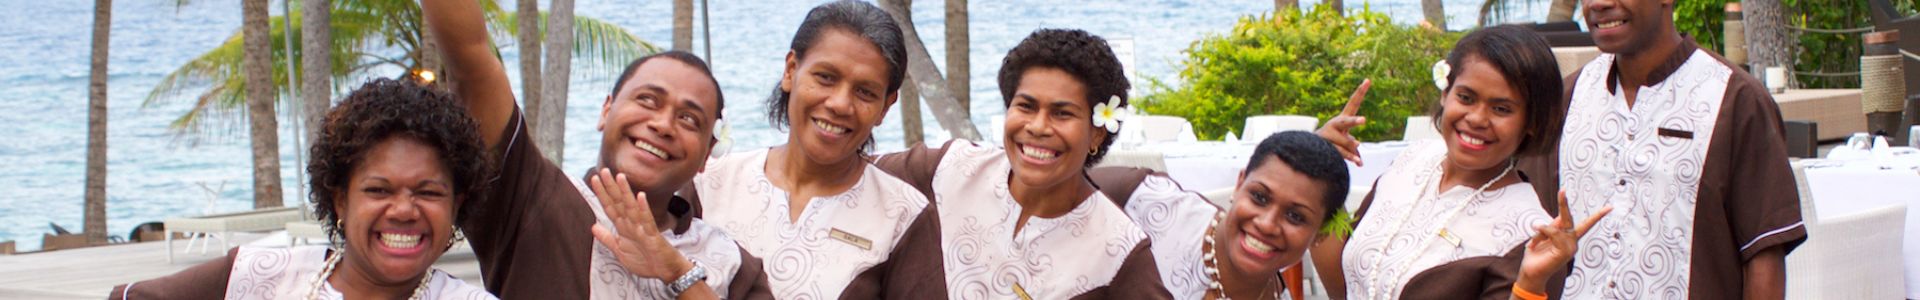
<point x="1913" y="136"/>
<point x="1860" y="141"/>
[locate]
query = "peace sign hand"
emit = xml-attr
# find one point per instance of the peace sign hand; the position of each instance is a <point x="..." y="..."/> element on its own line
<point x="1554" y="245"/>
<point x="1339" y="129"/>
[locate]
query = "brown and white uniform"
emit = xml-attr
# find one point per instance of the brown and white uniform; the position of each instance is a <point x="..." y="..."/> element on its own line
<point x="534" y="240"/>
<point x="273" y="273"/>
<point x="1401" y="241"/>
<point x="1092" y="252"/>
<point x="1696" y="171"/>
<point x="841" y="246"/>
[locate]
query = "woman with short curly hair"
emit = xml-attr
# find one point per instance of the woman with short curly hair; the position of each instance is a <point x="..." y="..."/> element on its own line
<point x="396" y="165"/>
<point x="1004" y="209"/>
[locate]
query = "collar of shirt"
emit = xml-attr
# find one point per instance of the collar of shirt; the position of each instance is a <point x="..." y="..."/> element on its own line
<point x="1660" y="73"/>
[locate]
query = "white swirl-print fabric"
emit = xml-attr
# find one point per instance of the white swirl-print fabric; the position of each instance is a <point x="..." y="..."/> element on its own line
<point x="289" y="273"/>
<point x="1050" y="258"/>
<point x="1379" y="259"/>
<point x="701" y="242"/>
<point x="804" y="258"/>
<point x="1613" y="154"/>
<point x="1177" y="222"/>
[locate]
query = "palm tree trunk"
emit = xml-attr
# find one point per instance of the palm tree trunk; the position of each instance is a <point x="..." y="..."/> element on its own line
<point x="316" y="69"/>
<point x="1768" y="42"/>
<point x="927" y="78"/>
<point x="260" y="100"/>
<point x="958" y="76"/>
<point x="683" y="25"/>
<point x="1562" y="10"/>
<point x="1339" y="6"/>
<point x="910" y="116"/>
<point x="96" y="194"/>
<point x="559" y="63"/>
<point x="1436" y="13"/>
<point x="528" y="39"/>
<point x="1284" y="4"/>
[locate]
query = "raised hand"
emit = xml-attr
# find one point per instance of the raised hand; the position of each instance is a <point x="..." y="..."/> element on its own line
<point x="1339" y="129"/>
<point x="1553" y="245"/>
<point x="638" y="244"/>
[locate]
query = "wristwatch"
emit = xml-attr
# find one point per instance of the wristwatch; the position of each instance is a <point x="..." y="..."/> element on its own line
<point x="698" y="273"/>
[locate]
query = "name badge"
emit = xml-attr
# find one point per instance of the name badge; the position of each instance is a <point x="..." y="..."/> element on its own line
<point x="1676" y="133"/>
<point x="1021" y="292"/>
<point x="850" y="239"/>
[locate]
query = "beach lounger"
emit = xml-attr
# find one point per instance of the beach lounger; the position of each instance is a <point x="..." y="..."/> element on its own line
<point x="226" y="224"/>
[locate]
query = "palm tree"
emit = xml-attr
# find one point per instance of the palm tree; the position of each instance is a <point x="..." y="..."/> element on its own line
<point x="316" y="82"/>
<point x="927" y="78"/>
<point x="96" y="194"/>
<point x="366" y="36"/>
<point x="264" y="128"/>
<point x="958" y="78"/>
<point x="1280" y="4"/>
<point x="1436" y="13"/>
<point x="1562" y="10"/>
<point x="683" y="25"/>
<point x="527" y="37"/>
<point x="1768" y="42"/>
<point x="551" y="135"/>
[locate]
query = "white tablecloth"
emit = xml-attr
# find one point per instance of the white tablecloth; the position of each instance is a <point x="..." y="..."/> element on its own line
<point x="1842" y="188"/>
<point x="1207" y="166"/>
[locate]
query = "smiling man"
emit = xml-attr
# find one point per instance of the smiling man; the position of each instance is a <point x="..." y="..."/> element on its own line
<point x="537" y="239"/>
<point x="1688" y="150"/>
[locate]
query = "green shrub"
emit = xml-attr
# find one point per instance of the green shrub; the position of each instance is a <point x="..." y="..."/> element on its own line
<point x="1304" y="63"/>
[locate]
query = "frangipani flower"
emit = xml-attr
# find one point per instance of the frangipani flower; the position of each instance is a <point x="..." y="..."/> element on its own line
<point x="1108" y="114"/>
<point x="1440" y="71"/>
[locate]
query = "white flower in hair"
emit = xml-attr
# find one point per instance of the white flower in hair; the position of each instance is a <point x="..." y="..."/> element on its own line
<point x="723" y="136"/>
<point x="1440" y="71"/>
<point x="1108" y="114"/>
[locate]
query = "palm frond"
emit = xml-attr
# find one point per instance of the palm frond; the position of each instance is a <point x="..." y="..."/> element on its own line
<point x="609" y="46"/>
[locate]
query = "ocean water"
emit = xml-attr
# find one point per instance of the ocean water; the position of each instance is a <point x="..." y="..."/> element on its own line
<point x="154" y="174"/>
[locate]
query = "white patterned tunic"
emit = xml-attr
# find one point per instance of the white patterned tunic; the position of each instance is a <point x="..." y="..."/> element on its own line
<point x="1050" y="258"/>
<point x="1696" y="172"/>
<point x="837" y="238"/>
<point x="1177" y="222"/>
<point x="1380" y="258"/>
<point x="700" y="242"/>
<point x="289" y="273"/>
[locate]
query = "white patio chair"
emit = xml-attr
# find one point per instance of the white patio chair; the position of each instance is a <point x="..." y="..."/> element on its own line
<point x="1421" y="128"/>
<point x="1155" y="129"/>
<point x="1259" y="127"/>
<point x="226" y="224"/>
<point x="1151" y="160"/>
<point x="1854" y="256"/>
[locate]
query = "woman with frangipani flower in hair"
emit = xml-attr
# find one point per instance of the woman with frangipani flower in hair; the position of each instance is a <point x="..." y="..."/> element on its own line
<point x="1452" y="218"/>
<point x="1025" y="221"/>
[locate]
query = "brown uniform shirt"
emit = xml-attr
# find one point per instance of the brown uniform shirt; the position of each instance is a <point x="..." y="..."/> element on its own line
<point x="1746" y="199"/>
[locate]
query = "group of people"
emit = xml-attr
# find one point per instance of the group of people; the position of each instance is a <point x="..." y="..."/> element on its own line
<point x="1683" y="151"/>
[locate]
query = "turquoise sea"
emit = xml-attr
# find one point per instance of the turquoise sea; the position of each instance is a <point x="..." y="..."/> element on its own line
<point x="154" y="174"/>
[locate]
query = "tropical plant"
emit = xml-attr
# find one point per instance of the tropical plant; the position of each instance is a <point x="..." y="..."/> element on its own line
<point x="367" y="35"/>
<point x="1304" y="63"/>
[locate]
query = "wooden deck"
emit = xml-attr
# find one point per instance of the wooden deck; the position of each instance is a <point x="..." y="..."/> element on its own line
<point x="90" y="273"/>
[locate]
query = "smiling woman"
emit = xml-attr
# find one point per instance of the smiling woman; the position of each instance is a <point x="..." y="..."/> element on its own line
<point x="396" y="165"/>
<point x="1036" y="203"/>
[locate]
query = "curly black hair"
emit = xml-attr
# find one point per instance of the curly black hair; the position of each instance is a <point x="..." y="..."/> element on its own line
<point x="1311" y="156"/>
<point x="1083" y="55"/>
<point x="386" y="108"/>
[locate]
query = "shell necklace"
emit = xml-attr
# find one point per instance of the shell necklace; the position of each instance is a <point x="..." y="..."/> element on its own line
<point x="333" y="259"/>
<point x="1379" y="282"/>
<point x="1210" y="258"/>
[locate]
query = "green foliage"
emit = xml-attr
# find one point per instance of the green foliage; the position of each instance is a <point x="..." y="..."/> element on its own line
<point x="1703" y="20"/>
<point x="1304" y="63"/>
<point x="1828" y="52"/>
